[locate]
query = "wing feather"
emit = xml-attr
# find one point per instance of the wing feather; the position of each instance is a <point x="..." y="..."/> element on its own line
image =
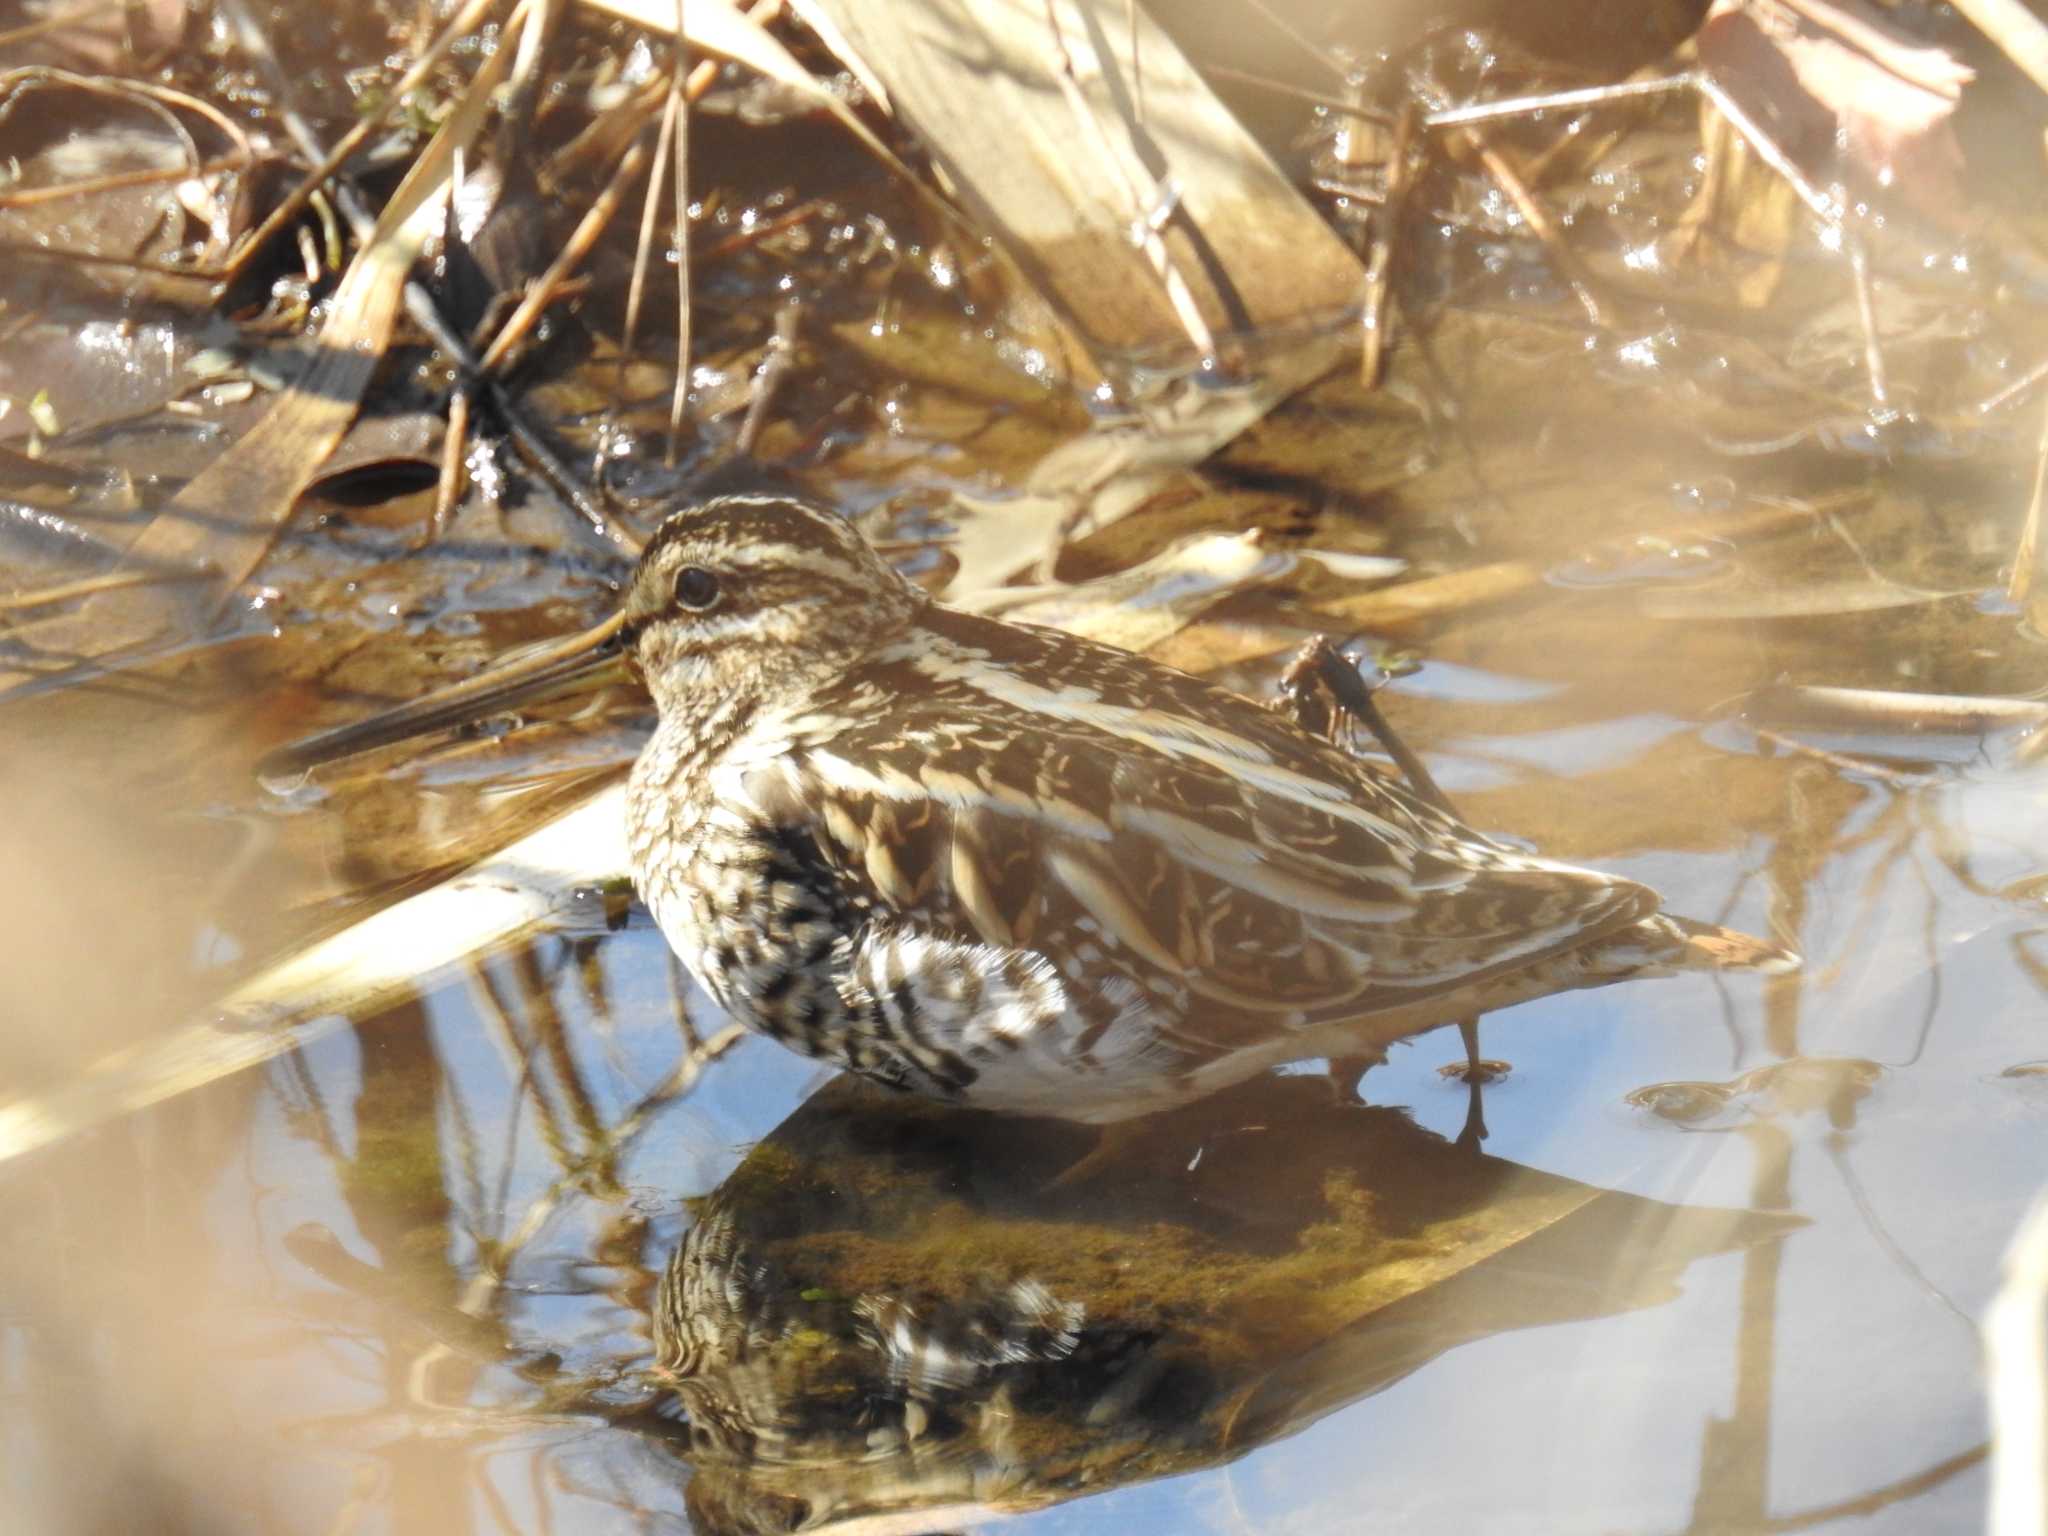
<point x="1246" y="873"/>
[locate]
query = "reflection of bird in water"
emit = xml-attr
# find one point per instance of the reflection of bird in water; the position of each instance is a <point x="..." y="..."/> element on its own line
<point x="869" y="1399"/>
<point x="886" y="1308"/>
<point x="1020" y="870"/>
<point x="725" y="1334"/>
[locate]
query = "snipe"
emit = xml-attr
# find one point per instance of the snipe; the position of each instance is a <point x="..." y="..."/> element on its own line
<point x="1018" y="869"/>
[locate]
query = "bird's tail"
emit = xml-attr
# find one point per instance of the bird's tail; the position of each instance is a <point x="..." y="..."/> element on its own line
<point x="1663" y="943"/>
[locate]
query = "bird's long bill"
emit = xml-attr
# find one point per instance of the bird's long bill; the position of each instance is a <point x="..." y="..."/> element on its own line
<point x="597" y="658"/>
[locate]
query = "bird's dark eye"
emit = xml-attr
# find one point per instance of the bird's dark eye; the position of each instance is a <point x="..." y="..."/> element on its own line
<point x="696" y="587"/>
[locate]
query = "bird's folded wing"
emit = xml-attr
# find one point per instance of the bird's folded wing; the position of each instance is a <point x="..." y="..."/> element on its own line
<point x="1254" y="886"/>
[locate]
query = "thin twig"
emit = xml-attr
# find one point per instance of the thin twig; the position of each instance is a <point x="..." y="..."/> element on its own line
<point x="29" y="197"/>
<point x="454" y="473"/>
<point x="679" y="401"/>
<point x="1471" y="112"/>
<point x="781" y="353"/>
<point x="1541" y="225"/>
<point x="762" y="229"/>
<point x="2014" y="390"/>
<point x="45" y="597"/>
<point x="2027" y="559"/>
<point x="643" y="248"/>
<point x="1387" y="229"/>
<point x="70" y="255"/>
<point x="1841" y="762"/>
<point x="1866" y="313"/>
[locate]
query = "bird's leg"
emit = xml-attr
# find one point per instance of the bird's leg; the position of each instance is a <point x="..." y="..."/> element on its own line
<point x="1474" y="1068"/>
<point x="1316" y="680"/>
<point x="1308" y="701"/>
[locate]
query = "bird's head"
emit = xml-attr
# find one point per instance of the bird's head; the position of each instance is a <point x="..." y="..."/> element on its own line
<point x="756" y="596"/>
<point x="737" y="601"/>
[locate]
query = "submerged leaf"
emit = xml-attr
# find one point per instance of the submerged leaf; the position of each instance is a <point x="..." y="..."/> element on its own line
<point x="1814" y="69"/>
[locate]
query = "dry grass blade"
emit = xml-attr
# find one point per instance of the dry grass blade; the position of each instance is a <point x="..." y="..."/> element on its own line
<point x="2016" y="1360"/>
<point x="29" y="197"/>
<point x="643" y="249"/>
<point x="2027" y="561"/>
<point x="1374" y="313"/>
<point x="2017" y="30"/>
<point x="1151" y="209"/>
<point x="775" y="365"/>
<point x="353" y="974"/>
<point x="1026" y="105"/>
<point x="1790" y="706"/>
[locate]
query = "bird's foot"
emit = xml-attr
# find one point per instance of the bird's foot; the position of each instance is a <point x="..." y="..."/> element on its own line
<point x="1477" y="1071"/>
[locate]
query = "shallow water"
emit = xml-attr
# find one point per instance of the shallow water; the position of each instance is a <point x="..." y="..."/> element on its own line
<point x="1717" y="1265"/>
<point x="405" y="1277"/>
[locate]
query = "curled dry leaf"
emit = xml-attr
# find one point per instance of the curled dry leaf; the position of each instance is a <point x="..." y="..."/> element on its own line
<point x="1809" y="70"/>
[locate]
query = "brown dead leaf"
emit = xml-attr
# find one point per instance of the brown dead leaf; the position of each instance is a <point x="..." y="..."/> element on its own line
<point x="1810" y="69"/>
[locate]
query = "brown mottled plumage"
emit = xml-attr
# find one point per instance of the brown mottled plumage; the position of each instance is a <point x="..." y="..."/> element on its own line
<point x="1005" y="865"/>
